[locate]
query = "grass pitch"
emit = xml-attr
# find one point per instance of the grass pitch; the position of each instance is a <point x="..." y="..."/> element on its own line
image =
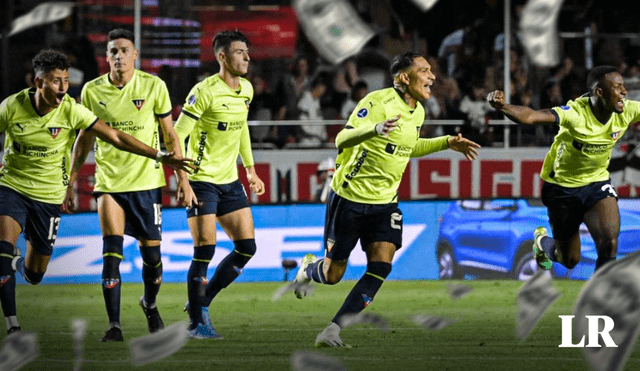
<point x="262" y="335"/>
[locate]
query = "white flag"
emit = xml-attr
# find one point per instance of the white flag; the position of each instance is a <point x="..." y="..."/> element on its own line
<point x="538" y="26"/>
<point x="41" y="14"/>
<point x="534" y="298"/>
<point x="333" y="27"/>
<point x="18" y="349"/>
<point x="79" y="327"/>
<point x="160" y="344"/>
<point x="311" y="361"/>
<point x="424" y="5"/>
<point x="613" y="291"/>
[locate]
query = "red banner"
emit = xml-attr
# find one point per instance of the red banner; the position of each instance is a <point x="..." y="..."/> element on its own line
<point x="271" y="32"/>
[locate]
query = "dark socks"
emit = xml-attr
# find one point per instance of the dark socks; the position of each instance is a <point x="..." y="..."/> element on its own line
<point x="7" y="280"/>
<point x="197" y="281"/>
<point x="365" y="290"/>
<point x="315" y="271"/>
<point x="111" y="258"/>
<point x="549" y="247"/>
<point x="230" y="268"/>
<point x="151" y="273"/>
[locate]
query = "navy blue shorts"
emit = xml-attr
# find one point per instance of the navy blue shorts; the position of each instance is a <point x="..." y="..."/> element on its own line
<point x="566" y="206"/>
<point x="142" y="212"/>
<point x="347" y="222"/>
<point x="39" y="221"/>
<point x="219" y="199"/>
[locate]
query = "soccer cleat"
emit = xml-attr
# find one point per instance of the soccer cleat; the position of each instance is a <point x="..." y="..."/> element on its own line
<point x="14" y="329"/>
<point x="205" y="314"/>
<point x="541" y="257"/>
<point x="113" y="334"/>
<point x="202" y="331"/>
<point x="154" y="321"/>
<point x="330" y="337"/>
<point x="301" y="277"/>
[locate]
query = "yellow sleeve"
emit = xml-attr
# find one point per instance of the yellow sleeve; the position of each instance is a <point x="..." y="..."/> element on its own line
<point x="245" y="147"/>
<point x="426" y="146"/>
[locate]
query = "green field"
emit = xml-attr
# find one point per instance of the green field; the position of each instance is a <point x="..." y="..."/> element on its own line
<point x="262" y="335"/>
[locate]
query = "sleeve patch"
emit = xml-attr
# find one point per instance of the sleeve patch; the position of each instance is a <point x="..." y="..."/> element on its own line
<point x="192" y="100"/>
<point x="565" y="108"/>
<point x="363" y="113"/>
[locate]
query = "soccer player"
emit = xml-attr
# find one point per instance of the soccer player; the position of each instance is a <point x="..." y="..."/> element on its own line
<point x="128" y="188"/>
<point x="577" y="187"/>
<point x="380" y="137"/>
<point x="40" y="124"/>
<point x="214" y="118"/>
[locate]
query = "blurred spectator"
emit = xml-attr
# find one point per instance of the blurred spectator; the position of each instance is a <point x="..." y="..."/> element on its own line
<point x="261" y="110"/>
<point x="324" y="176"/>
<point x="345" y="78"/>
<point x="358" y="91"/>
<point x="288" y="93"/>
<point x="475" y="107"/>
<point x="310" y="109"/>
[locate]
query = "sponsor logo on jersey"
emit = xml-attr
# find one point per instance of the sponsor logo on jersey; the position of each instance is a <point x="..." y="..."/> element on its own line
<point x="54" y="132"/>
<point x="363" y="113"/>
<point x="138" y="103"/>
<point x="225" y="105"/>
<point x="565" y="108"/>
<point x="391" y="148"/>
<point x="20" y="127"/>
<point x="103" y="104"/>
<point x="222" y="126"/>
<point x="358" y="165"/>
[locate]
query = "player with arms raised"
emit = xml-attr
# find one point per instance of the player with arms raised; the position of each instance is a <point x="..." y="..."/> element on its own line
<point x="577" y="187"/>
<point x="40" y="125"/>
<point x="128" y="188"/>
<point x="214" y="118"/>
<point x="375" y="146"/>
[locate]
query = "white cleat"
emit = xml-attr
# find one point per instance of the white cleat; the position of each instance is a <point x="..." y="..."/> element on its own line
<point x="302" y="280"/>
<point x="330" y="337"/>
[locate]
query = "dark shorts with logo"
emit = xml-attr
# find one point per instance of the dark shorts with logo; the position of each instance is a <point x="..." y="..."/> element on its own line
<point x="567" y="206"/>
<point x="346" y="222"/>
<point x="219" y="199"/>
<point x="39" y="221"/>
<point x="143" y="212"/>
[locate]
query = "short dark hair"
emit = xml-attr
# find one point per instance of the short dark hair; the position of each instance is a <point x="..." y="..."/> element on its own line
<point x="597" y="74"/>
<point x="121" y="33"/>
<point x="402" y="61"/>
<point x="224" y="39"/>
<point x="48" y="60"/>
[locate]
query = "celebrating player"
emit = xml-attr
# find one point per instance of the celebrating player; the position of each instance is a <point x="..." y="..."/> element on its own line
<point x="382" y="134"/>
<point x="577" y="187"/>
<point x="215" y="118"/>
<point x="40" y="125"/>
<point x="128" y="188"/>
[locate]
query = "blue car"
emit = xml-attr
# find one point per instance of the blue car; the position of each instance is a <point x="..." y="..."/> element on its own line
<point x="493" y="239"/>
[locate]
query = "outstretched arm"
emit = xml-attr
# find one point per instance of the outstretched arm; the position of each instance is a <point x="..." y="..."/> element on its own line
<point x="126" y="142"/>
<point x="520" y="114"/>
<point x="350" y="137"/>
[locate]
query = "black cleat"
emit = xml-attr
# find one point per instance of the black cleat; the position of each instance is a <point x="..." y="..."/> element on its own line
<point x="14" y="329"/>
<point x="153" y="317"/>
<point x="113" y="334"/>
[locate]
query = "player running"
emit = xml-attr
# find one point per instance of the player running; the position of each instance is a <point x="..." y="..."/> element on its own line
<point x="128" y="188"/>
<point x="382" y="134"/>
<point x="214" y="118"/>
<point x="40" y="125"/>
<point x="577" y="187"/>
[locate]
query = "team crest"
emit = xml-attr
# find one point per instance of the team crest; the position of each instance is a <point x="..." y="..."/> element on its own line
<point x="54" y="132"/>
<point x="615" y="135"/>
<point x="139" y="103"/>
